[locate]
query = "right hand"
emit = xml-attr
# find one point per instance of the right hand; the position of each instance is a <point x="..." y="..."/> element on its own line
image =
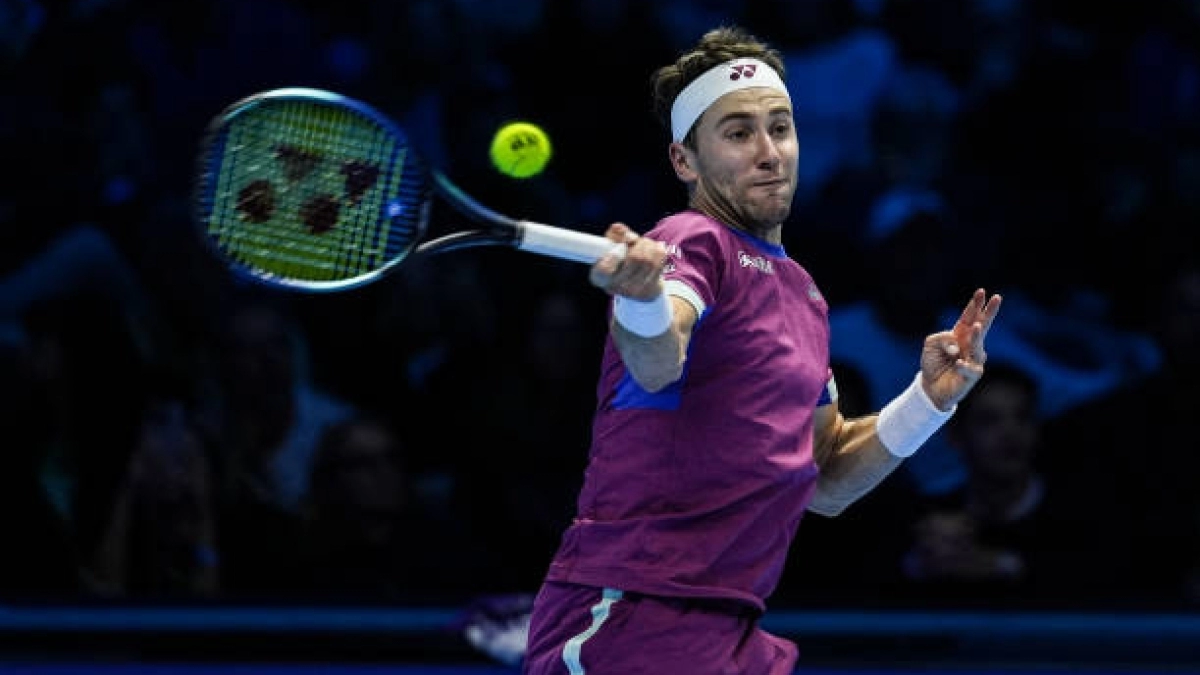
<point x="637" y="275"/>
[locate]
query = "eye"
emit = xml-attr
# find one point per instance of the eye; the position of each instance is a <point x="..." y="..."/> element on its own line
<point x="738" y="134"/>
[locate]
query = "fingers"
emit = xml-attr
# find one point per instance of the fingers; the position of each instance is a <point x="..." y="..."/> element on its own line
<point x="959" y="349"/>
<point x="969" y="370"/>
<point x="968" y="346"/>
<point x="978" y="354"/>
<point x="638" y="273"/>
<point x="989" y="312"/>
<point x="603" y="270"/>
<point x="980" y="309"/>
<point x="951" y="348"/>
<point x="620" y="232"/>
<point x="980" y="323"/>
<point x="973" y="309"/>
<point x="966" y="364"/>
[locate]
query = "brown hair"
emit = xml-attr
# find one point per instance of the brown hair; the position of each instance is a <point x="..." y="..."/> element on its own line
<point x="715" y="47"/>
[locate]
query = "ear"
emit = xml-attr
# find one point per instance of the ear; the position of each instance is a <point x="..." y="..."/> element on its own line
<point x="683" y="161"/>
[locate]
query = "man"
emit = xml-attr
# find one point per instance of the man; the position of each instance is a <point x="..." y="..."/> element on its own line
<point x="1013" y="535"/>
<point x="717" y="423"/>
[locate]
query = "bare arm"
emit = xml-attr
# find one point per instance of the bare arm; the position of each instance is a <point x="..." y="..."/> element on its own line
<point x="654" y="360"/>
<point x="854" y="456"/>
<point x="851" y="458"/>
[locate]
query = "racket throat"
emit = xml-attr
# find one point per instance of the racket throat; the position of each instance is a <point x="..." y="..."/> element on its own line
<point x="457" y="241"/>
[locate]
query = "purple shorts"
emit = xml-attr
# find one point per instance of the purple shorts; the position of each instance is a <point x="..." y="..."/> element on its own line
<point x="581" y="630"/>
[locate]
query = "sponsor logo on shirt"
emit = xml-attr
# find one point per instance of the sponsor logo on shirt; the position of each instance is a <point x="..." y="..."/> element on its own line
<point x="758" y="262"/>
<point x="673" y="251"/>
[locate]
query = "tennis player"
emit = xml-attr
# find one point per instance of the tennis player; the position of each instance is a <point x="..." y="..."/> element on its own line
<point x="717" y="424"/>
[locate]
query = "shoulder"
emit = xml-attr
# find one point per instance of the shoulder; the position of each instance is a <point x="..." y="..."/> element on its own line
<point x="688" y="225"/>
<point x="695" y="237"/>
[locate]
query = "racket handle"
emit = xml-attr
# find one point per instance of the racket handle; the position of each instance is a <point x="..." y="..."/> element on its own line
<point x="566" y="244"/>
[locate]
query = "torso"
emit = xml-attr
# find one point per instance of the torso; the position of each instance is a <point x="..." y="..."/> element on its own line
<point x="697" y="490"/>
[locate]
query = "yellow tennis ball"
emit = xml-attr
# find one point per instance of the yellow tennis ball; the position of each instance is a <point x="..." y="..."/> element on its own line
<point x="520" y="149"/>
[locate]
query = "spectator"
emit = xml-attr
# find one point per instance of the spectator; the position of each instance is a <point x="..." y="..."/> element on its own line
<point x="1138" y="442"/>
<point x="540" y="415"/>
<point x="40" y="561"/>
<point x="1011" y="535"/>
<point x="272" y="417"/>
<point x="878" y="335"/>
<point x="368" y="536"/>
<point x="161" y="539"/>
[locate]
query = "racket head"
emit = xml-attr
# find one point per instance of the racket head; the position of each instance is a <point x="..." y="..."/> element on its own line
<point x="309" y="190"/>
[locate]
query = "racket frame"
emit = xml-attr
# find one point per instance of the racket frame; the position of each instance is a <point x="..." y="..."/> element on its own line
<point x="491" y="229"/>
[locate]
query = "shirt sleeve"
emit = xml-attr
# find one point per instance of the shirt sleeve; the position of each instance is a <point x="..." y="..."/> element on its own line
<point x="829" y="394"/>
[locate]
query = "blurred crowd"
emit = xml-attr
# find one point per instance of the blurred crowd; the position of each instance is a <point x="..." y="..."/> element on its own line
<point x="169" y="432"/>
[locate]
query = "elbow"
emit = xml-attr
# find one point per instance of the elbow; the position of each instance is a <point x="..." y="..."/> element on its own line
<point x="657" y="380"/>
<point x="654" y="375"/>
<point x="826" y="507"/>
<point x="826" y="503"/>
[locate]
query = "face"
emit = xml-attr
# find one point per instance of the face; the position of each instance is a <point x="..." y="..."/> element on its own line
<point x="745" y="163"/>
<point x="365" y="491"/>
<point x="999" y="433"/>
<point x="260" y="357"/>
<point x="366" y="472"/>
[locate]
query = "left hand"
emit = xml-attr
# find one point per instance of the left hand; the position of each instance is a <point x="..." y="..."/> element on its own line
<point x="952" y="361"/>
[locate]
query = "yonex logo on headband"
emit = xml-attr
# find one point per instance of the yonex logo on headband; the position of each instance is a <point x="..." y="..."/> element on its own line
<point x="715" y="83"/>
<point x="746" y="69"/>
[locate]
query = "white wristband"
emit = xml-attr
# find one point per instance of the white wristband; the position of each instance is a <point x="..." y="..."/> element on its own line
<point x="646" y="318"/>
<point x="908" y="420"/>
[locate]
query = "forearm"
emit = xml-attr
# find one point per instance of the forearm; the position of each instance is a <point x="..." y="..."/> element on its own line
<point x="653" y="356"/>
<point x="853" y="465"/>
<point x="653" y="362"/>
<point x="855" y="455"/>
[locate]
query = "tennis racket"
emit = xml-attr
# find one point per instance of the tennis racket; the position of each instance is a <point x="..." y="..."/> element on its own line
<point x="310" y="190"/>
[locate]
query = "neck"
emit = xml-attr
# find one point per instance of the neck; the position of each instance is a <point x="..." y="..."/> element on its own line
<point x="770" y="233"/>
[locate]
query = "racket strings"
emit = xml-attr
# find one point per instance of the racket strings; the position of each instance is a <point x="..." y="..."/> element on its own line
<point x="313" y="192"/>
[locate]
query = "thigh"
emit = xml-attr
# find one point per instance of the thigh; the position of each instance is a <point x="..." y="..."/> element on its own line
<point x="579" y="630"/>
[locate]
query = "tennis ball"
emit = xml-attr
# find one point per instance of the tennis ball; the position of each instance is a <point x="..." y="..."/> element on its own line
<point x="520" y="149"/>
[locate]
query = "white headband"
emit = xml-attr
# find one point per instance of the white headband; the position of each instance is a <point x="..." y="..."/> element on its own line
<point x="703" y="91"/>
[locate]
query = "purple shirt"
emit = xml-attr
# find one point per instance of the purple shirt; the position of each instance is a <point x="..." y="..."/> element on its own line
<point x="696" y="490"/>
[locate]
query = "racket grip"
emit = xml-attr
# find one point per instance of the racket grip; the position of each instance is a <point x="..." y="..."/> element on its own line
<point x="566" y="244"/>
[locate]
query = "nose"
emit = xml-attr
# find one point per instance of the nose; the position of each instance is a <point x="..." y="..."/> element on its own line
<point x="768" y="151"/>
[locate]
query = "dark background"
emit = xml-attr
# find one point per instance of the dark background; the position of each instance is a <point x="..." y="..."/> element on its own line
<point x="435" y="423"/>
